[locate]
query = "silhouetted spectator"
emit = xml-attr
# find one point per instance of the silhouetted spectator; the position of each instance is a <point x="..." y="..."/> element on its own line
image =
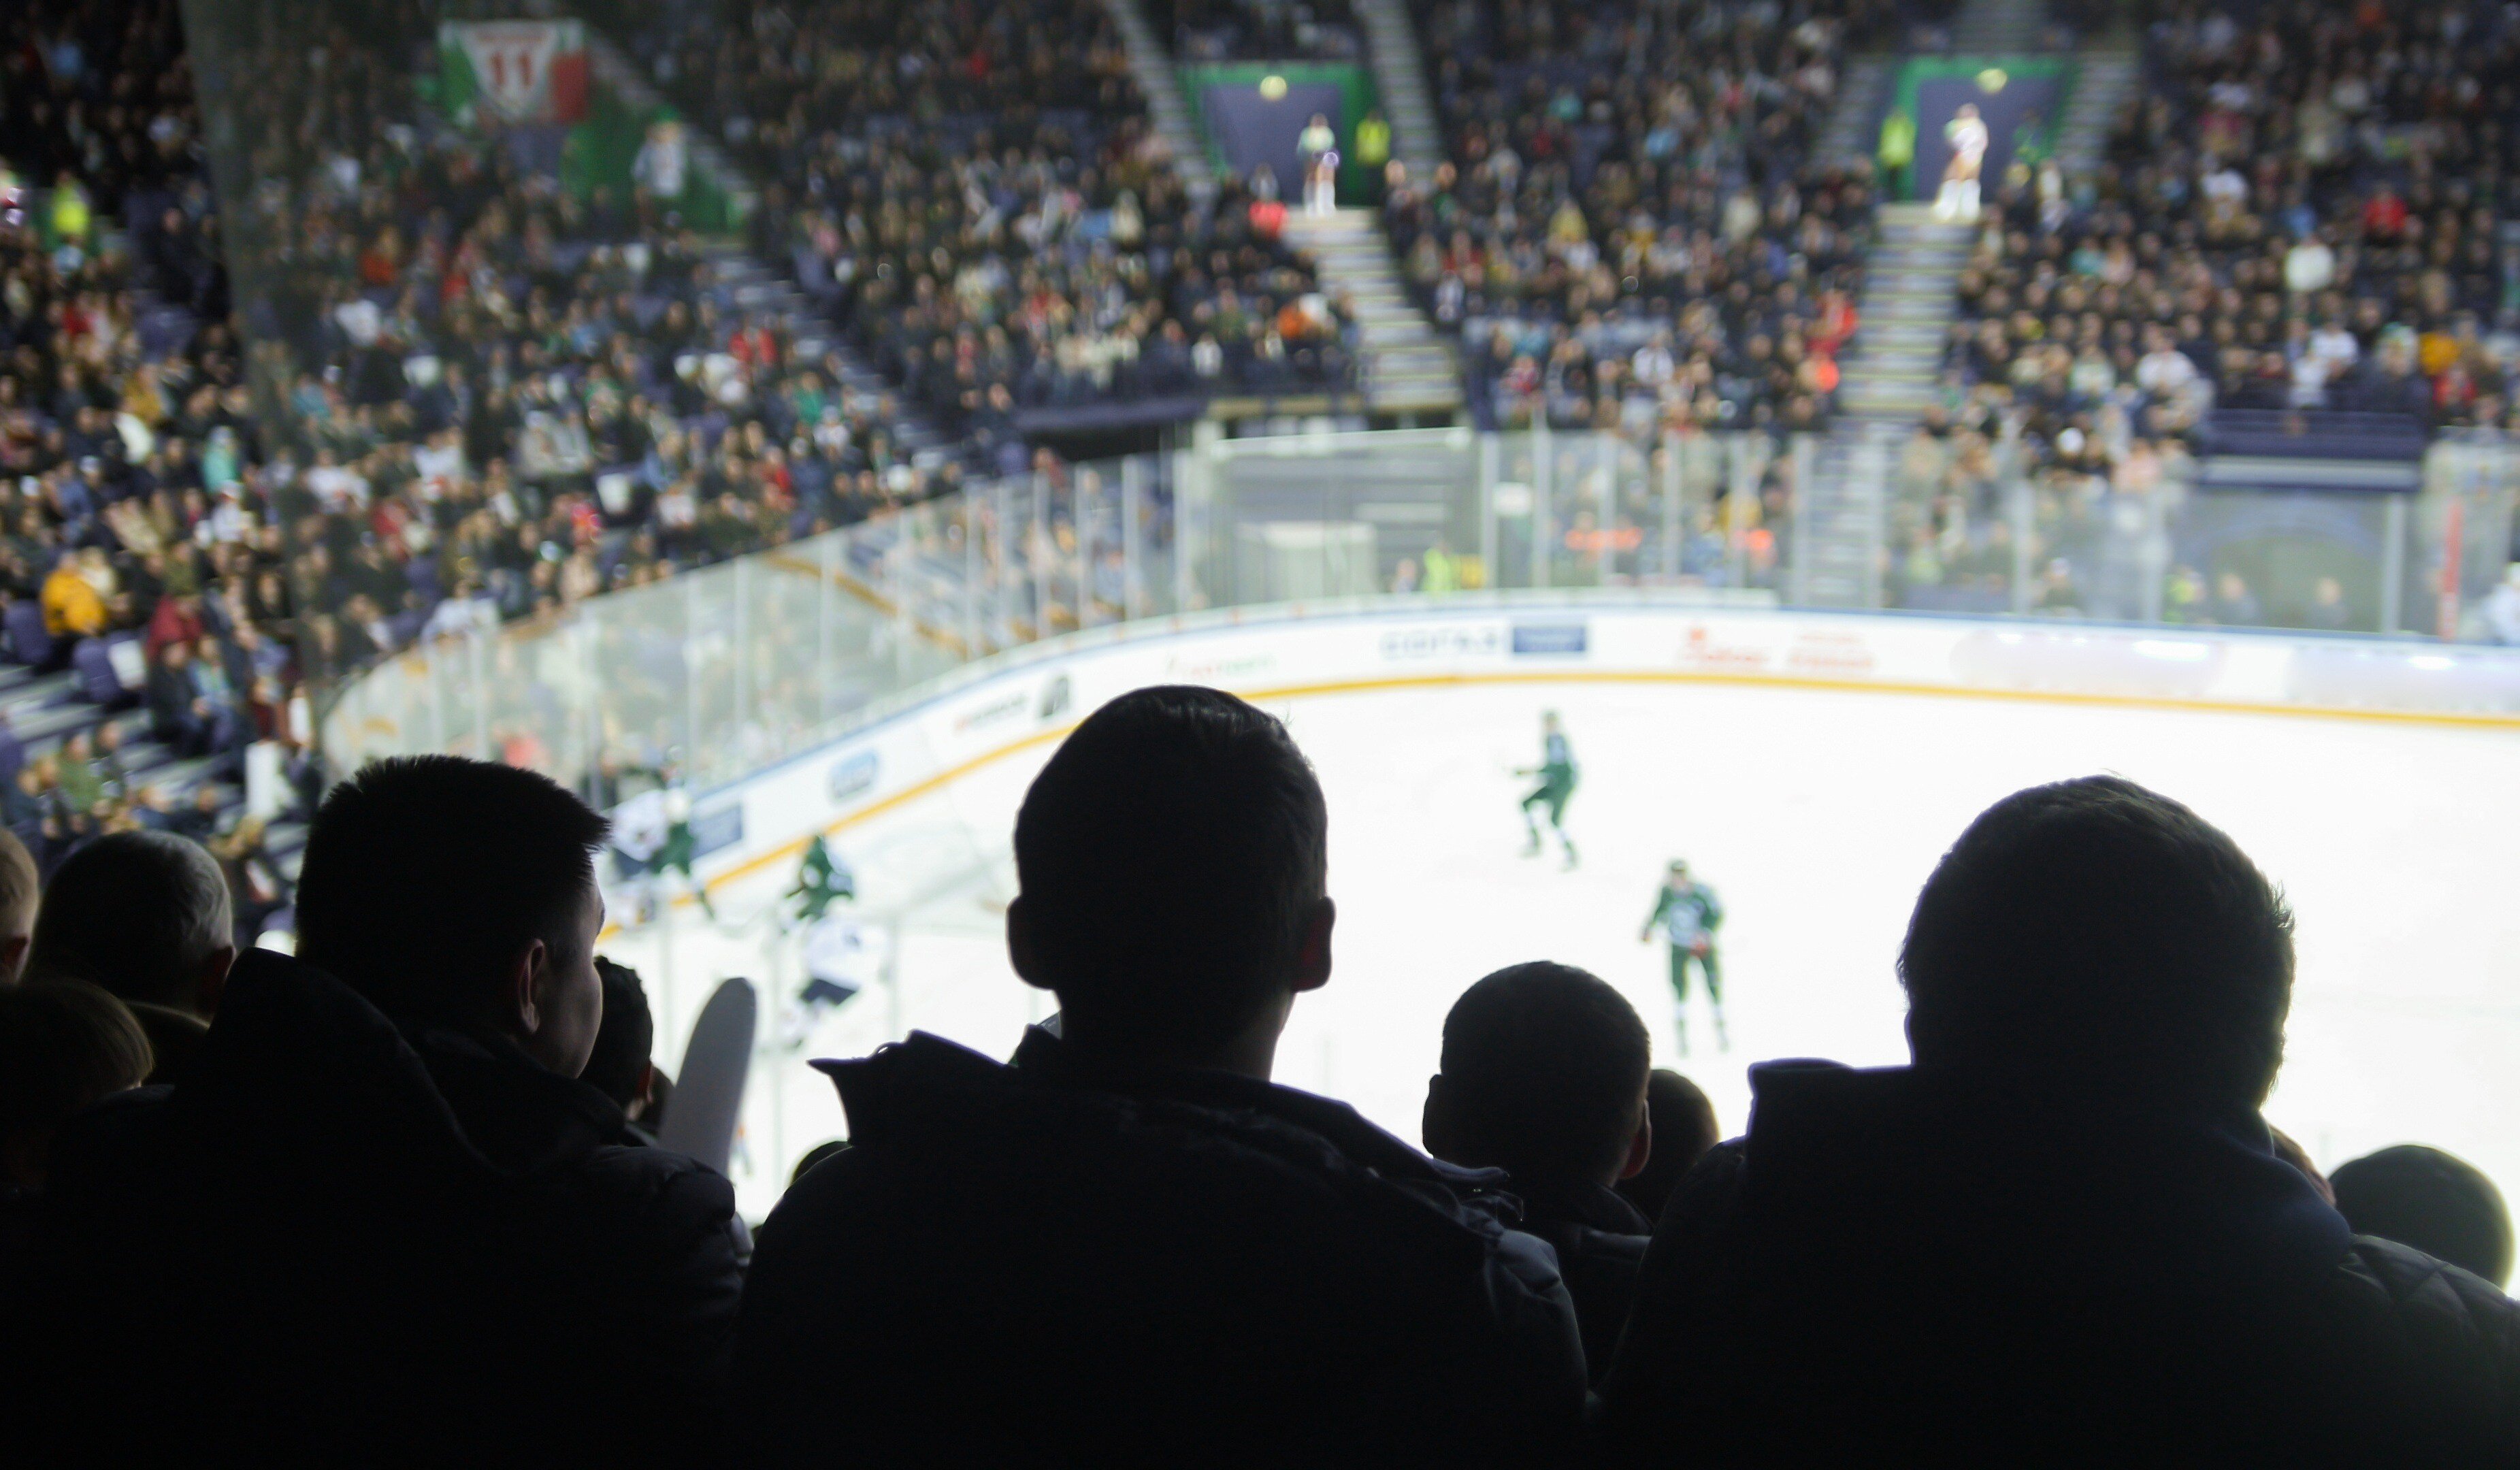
<point x="2436" y="1202"/>
<point x="381" y="1220"/>
<point x="62" y="1045"/>
<point x="621" y="1065"/>
<point x="1129" y="1247"/>
<point x="1544" y="1077"/>
<point x="2064" y="1234"/>
<point x="18" y="885"/>
<point x="1684" y="1129"/>
<point x="144" y="915"/>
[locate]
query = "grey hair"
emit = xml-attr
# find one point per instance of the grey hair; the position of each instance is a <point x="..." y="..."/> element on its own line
<point x="139" y="913"/>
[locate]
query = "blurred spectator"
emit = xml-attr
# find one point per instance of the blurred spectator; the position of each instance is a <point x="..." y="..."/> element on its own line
<point x="146" y="916"/>
<point x="1210" y="30"/>
<point x="1683" y="1129"/>
<point x="377" y="1195"/>
<point x="1544" y="1077"/>
<point x="1612" y="174"/>
<point x="64" y="1046"/>
<point x="2098" y="982"/>
<point x="18" y="891"/>
<point x="1260" y="1274"/>
<point x="2437" y="1203"/>
<point x="1027" y="234"/>
<point x="620" y="1066"/>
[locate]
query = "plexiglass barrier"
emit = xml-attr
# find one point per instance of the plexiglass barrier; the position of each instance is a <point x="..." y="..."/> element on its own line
<point x="721" y="671"/>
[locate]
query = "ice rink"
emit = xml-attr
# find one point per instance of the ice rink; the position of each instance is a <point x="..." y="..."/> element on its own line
<point x="1814" y="813"/>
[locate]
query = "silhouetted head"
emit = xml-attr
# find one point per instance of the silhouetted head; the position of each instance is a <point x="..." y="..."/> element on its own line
<point x="464" y="890"/>
<point x="144" y="915"/>
<point x="20" y="887"/>
<point x="1544" y="1075"/>
<point x="621" y="1065"/>
<point x="1172" y="860"/>
<point x="1684" y="1129"/>
<point x="62" y="1045"/>
<point x="2436" y="1202"/>
<point x="2094" y="942"/>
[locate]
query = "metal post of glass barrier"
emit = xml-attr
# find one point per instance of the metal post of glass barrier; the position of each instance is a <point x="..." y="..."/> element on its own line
<point x="971" y="572"/>
<point x="475" y="643"/>
<point x="825" y="573"/>
<point x="1080" y="514"/>
<point x="904" y="627"/>
<point x="2393" y="562"/>
<point x="1736" y="517"/>
<point x="1489" y="450"/>
<point x="1798" y="575"/>
<point x="1003" y="570"/>
<point x="1543" y="475"/>
<point x="1037" y="550"/>
<point x="1606" y="505"/>
<point x="1190" y="488"/>
<point x="1671" y="529"/>
<point x="2024" y="525"/>
<point x="691" y="679"/>
<point x="742" y="648"/>
<point x="1132" y="548"/>
<point x="2153" y="565"/>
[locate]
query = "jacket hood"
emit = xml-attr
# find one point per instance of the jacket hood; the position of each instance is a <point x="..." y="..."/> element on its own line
<point x="2192" y="1200"/>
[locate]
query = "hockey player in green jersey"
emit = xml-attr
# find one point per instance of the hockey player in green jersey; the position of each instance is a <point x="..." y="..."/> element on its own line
<point x="1557" y="773"/>
<point x="820" y="881"/>
<point x="1688" y="913"/>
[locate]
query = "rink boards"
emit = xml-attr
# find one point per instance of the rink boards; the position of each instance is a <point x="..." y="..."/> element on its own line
<point x="1012" y="702"/>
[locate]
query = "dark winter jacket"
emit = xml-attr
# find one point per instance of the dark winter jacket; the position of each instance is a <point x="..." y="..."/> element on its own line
<point x="345" y="1240"/>
<point x="1046" y="1263"/>
<point x="1890" y="1273"/>
<point x="1600" y="1242"/>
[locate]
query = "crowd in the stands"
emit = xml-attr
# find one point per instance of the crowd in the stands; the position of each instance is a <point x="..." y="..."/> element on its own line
<point x="135" y="553"/>
<point x="482" y="397"/>
<point x="405" y="1196"/>
<point x="1629" y="222"/>
<point x="977" y="195"/>
<point x="2304" y="213"/>
<point x="1269" y="31"/>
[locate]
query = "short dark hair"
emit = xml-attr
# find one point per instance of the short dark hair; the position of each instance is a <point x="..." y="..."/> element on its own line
<point x="63" y="1043"/>
<point x="2093" y="936"/>
<point x="2437" y="1202"/>
<point x="139" y="913"/>
<point x="425" y="875"/>
<point x="617" y="1067"/>
<point x="1544" y="1068"/>
<point x="1169" y="855"/>
<point x="1684" y="1129"/>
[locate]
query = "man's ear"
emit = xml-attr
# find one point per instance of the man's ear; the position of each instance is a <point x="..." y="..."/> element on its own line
<point x="1313" y="958"/>
<point x="1640" y="1149"/>
<point x="213" y="982"/>
<point x="1020" y="944"/>
<point x="521" y="997"/>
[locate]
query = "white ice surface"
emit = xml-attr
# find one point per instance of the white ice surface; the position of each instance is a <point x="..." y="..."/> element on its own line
<point x="1814" y="813"/>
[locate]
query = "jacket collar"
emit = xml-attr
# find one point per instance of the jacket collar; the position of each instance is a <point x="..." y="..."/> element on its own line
<point x="305" y="1061"/>
<point x="1053" y="1061"/>
<point x="2196" y="1197"/>
<point x="1552" y="1198"/>
<point x="874" y="1088"/>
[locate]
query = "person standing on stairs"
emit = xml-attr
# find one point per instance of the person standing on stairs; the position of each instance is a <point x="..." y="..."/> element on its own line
<point x="1317" y="146"/>
<point x="1897" y="153"/>
<point x="1968" y="138"/>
